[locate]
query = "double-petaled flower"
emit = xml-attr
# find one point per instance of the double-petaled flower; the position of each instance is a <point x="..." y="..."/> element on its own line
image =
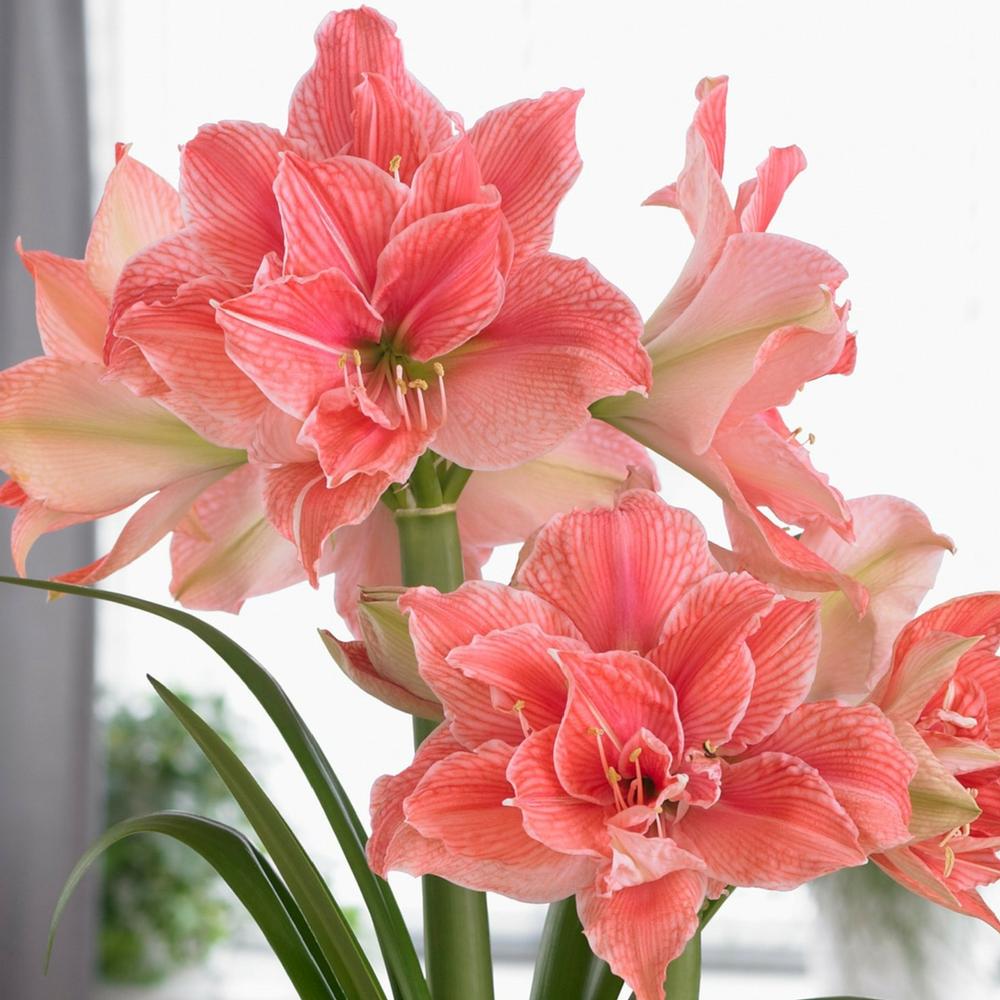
<point x="750" y="320"/>
<point x="626" y="723"/>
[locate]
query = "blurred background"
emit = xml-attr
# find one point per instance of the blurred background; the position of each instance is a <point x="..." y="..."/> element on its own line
<point x="895" y="106"/>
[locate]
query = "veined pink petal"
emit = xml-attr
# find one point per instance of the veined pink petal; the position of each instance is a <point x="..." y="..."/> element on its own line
<point x="759" y="199"/>
<point x="186" y="347"/>
<point x="153" y="521"/>
<point x="348" y="442"/>
<point x="336" y="214"/>
<point x="857" y="754"/>
<point x="290" y="336"/>
<point x="72" y="318"/>
<point x="976" y="614"/>
<point x="447" y="179"/>
<point x="138" y="207"/>
<point x="589" y="468"/>
<point x="354" y="660"/>
<point x="616" y="695"/>
<point x="638" y="860"/>
<point x="440" y="623"/>
<point x="528" y="150"/>
<point x="227" y="171"/>
<point x="391" y="837"/>
<point x="638" y="931"/>
<point x="705" y="657"/>
<point x="549" y="813"/>
<point x="460" y="802"/>
<point x="776" y="825"/>
<point x="33" y="520"/>
<point x="226" y="551"/>
<point x="896" y="558"/>
<point x="438" y="282"/>
<point x="348" y="45"/>
<point x="618" y="572"/>
<point x="306" y="511"/>
<point x="386" y="127"/>
<point x="517" y="664"/>
<point x="564" y="338"/>
<point x="773" y="470"/>
<point x="88" y="446"/>
<point x="784" y="650"/>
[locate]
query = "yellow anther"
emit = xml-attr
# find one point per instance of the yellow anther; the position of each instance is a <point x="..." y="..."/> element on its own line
<point x="634" y="755"/>
<point x="794" y="434"/>
<point x="811" y="438"/>
<point x="594" y="731"/>
<point x="394" y="164"/>
<point x="342" y="361"/>
<point x="417" y="383"/>
<point x="357" y="356"/>
<point x="613" y="776"/>
<point x="439" y="369"/>
<point x="710" y="748"/>
<point x="518" y="705"/>
<point x="949" y="861"/>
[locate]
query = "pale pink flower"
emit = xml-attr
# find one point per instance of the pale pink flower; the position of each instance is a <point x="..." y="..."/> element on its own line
<point x="750" y="320"/>
<point x="626" y="723"/>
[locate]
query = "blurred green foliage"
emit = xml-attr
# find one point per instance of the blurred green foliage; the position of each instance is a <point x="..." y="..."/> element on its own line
<point x="162" y="906"/>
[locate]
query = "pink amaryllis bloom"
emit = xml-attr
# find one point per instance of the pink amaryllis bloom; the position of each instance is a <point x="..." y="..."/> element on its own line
<point x="77" y="446"/>
<point x="375" y="281"/>
<point x="626" y="723"/>
<point x="942" y="692"/>
<point x="750" y="320"/>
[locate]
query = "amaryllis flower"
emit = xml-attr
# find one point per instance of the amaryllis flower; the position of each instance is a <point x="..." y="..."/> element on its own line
<point x="942" y="693"/>
<point x="750" y="320"/>
<point x="77" y="446"/>
<point x="384" y="285"/>
<point x="626" y="723"/>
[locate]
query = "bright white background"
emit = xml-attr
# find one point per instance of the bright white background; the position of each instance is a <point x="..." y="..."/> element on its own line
<point x="895" y="105"/>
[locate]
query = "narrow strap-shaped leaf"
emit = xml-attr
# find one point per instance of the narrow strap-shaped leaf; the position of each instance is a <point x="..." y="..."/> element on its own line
<point x="332" y="931"/>
<point x="564" y="955"/>
<point x="394" y="939"/>
<point x="239" y="864"/>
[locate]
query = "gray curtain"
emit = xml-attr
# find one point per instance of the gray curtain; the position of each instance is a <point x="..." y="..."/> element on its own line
<point x="47" y="777"/>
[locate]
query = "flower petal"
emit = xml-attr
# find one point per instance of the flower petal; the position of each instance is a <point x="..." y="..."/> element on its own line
<point x="896" y="558"/>
<point x="776" y="825"/>
<point x="72" y="317"/>
<point x="784" y="651"/>
<point x="438" y="282"/>
<point x="289" y="337"/>
<point x="386" y="127"/>
<point x="564" y="338"/>
<point x="976" y="614"/>
<point x="227" y="172"/>
<point x="138" y="207"/>
<point x="759" y="199"/>
<point x="226" y="551"/>
<point x="705" y="657"/>
<point x="856" y="752"/>
<point x="618" y="572"/>
<point x="89" y="446"/>
<point x="528" y="150"/>
<point x="336" y="214"/>
<point x="638" y="931"/>
<point x="348" y="45"/>
<point x="460" y="801"/>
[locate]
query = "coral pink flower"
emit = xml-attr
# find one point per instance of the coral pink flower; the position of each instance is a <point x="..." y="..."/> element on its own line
<point x="751" y="319"/>
<point x="626" y="723"/>
<point x="383" y="283"/>
<point x="942" y="692"/>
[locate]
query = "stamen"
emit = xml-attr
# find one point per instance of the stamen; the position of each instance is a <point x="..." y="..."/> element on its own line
<point x="609" y="772"/>
<point x="394" y="164"/>
<point x="794" y="434"/>
<point x="711" y="750"/>
<point x="401" y="397"/>
<point x="421" y="386"/>
<point x="637" y="780"/>
<point x="615" y="778"/>
<point x="949" y="861"/>
<point x="357" y="368"/>
<point x="342" y="364"/>
<point x="518" y="709"/>
<point x="439" y="371"/>
<point x="659" y="821"/>
<point x="810" y="438"/>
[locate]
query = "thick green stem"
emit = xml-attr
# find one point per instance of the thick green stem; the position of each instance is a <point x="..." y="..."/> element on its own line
<point x="602" y="983"/>
<point x="456" y="924"/>
<point x="563" y="955"/>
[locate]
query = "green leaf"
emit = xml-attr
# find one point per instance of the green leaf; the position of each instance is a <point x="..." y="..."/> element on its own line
<point x="564" y="954"/>
<point x="244" y="871"/>
<point x="396" y="945"/>
<point x="333" y="934"/>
